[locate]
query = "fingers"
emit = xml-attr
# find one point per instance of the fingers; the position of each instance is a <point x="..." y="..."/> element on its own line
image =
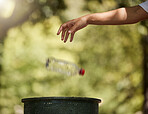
<point x="67" y="28"/>
<point x="66" y="37"/>
<point x="73" y="29"/>
<point x="63" y="37"/>
<point x="72" y="35"/>
<point x="62" y="27"/>
<point x="59" y="31"/>
<point x="63" y="34"/>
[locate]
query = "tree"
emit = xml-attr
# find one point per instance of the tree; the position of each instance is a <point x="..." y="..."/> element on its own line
<point x="145" y="79"/>
<point x="33" y="11"/>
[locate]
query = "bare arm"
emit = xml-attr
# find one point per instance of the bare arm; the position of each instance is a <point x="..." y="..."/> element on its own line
<point x="115" y="17"/>
<point x="119" y="16"/>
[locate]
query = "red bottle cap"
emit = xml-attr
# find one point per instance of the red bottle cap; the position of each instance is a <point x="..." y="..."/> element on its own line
<point x="82" y="72"/>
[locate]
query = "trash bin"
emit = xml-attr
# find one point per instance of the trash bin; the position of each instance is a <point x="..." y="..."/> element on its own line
<point x="61" y="105"/>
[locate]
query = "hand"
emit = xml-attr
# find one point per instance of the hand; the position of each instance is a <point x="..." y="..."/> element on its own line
<point x="71" y="27"/>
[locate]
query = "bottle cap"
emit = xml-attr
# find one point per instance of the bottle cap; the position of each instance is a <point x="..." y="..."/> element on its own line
<point x="82" y="71"/>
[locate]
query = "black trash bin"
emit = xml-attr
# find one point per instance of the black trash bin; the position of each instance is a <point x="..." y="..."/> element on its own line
<point x="61" y="105"/>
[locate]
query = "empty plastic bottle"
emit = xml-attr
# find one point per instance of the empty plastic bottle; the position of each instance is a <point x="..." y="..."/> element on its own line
<point x="63" y="67"/>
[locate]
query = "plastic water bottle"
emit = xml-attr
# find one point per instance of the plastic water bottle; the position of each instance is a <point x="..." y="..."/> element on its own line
<point x="63" y="67"/>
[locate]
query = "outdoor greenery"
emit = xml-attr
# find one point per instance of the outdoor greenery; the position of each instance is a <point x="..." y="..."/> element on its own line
<point x="111" y="55"/>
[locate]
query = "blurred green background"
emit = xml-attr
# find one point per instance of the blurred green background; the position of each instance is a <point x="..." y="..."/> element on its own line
<point x="111" y="55"/>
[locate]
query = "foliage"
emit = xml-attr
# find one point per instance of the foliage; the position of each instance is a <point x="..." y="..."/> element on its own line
<point x="111" y="55"/>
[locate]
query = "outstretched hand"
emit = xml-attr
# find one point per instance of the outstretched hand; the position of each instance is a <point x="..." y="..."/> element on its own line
<point x="71" y="27"/>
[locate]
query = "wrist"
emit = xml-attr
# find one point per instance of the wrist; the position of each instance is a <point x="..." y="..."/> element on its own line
<point x="88" y="17"/>
<point x="85" y="18"/>
<point x="93" y="18"/>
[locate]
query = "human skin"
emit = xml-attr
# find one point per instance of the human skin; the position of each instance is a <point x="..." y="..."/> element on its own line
<point x="119" y="16"/>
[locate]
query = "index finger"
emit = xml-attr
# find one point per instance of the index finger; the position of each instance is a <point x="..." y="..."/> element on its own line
<point x="60" y="29"/>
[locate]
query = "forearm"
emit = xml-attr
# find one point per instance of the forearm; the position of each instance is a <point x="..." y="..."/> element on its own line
<point x="117" y="17"/>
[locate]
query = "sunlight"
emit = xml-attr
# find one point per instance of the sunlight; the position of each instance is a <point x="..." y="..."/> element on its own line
<point x="6" y="8"/>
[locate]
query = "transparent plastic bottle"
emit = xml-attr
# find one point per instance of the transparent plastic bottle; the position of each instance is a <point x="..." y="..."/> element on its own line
<point x="64" y="67"/>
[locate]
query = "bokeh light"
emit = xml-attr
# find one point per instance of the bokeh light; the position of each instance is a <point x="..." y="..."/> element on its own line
<point x="6" y="8"/>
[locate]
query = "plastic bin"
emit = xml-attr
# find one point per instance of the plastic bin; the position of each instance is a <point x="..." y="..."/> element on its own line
<point x="61" y="105"/>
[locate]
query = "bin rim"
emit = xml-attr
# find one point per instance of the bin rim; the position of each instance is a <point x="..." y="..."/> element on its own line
<point x="62" y="98"/>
